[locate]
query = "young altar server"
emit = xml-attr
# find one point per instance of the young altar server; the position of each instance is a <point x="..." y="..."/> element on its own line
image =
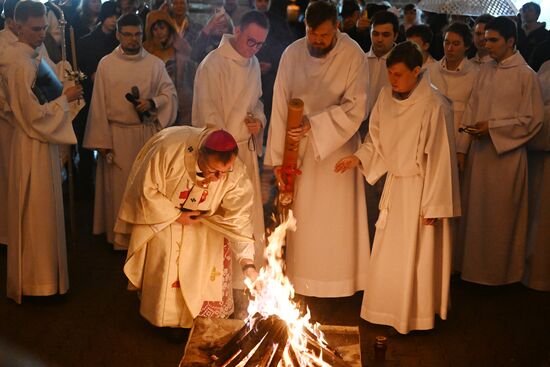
<point x="537" y="267"/>
<point x="410" y="138"/>
<point x="40" y="111"/>
<point x="504" y="112"/>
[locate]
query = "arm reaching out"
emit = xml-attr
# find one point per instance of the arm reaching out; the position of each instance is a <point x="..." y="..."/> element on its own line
<point x="346" y="163"/>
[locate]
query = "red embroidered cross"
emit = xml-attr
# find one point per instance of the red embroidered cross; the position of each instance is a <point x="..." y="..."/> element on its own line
<point x="203" y="196"/>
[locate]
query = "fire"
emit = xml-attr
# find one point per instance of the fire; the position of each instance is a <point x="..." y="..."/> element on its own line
<point x="275" y="298"/>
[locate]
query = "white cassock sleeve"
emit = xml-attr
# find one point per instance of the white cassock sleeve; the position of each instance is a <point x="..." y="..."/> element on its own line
<point x="98" y="134"/>
<point x="373" y="166"/>
<point x="334" y="126"/>
<point x="49" y="122"/>
<point x="440" y="195"/>
<point x="511" y="133"/>
<point x="166" y="98"/>
<point x="207" y="98"/>
<point x="277" y="129"/>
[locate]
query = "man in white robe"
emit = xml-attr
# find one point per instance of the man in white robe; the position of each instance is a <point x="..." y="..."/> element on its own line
<point x="8" y="39"/>
<point x="186" y="194"/>
<point x="383" y="33"/>
<point x="482" y="54"/>
<point x="537" y="267"/>
<point x="504" y="112"/>
<point x="328" y="254"/>
<point x="454" y="76"/>
<point x="227" y="96"/>
<point x="117" y="128"/>
<point x="41" y="121"/>
<point x="410" y="138"/>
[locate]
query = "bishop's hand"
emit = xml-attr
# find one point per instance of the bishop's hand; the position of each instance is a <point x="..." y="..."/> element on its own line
<point x="189" y="217"/>
<point x="346" y="163"/>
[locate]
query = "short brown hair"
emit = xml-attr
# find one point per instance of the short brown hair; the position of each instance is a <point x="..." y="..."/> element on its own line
<point x="408" y="53"/>
<point x="320" y="11"/>
<point x="29" y="9"/>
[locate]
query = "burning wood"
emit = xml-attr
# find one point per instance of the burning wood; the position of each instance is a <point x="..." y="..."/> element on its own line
<point x="277" y="335"/>
<point x="263" y="343"/>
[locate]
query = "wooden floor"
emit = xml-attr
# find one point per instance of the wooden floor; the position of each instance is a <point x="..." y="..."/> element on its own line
<point x="98" y="324"/>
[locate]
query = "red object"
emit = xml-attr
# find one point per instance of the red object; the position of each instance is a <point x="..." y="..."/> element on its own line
<point x="220" y="141"/>
<point x="289" y="169"/>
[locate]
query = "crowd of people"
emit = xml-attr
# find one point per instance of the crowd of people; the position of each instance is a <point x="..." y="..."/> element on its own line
<point x="436" y="128"/>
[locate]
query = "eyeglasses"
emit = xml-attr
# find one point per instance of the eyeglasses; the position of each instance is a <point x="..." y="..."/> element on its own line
<point x="214" y="172"/>
<point x="251" y="42"/>
<point x="131" y="35"/>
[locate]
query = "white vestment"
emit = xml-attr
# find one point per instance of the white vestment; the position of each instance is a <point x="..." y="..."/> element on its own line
<point x="537" y="267"/>
<point x="328" y="254"/>
<point x="409" y="273"/>
<point x="227" y="88"/>
<point x="113" y="124"/>
<point x="457" y="86"/>
<point x="37" y="259"/>
<point x="7" y="40"/>
<point x="378" y="77"/>
<point x="177" y="268"/>
<point x="493" y="228"/>
<point x="429" y="61"/>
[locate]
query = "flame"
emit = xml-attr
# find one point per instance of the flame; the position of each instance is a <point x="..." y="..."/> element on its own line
<point x="275" y="297"/>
